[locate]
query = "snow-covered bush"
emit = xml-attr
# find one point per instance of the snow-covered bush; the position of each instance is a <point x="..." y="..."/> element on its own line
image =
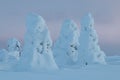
<point x="89" y="49"/>
<point x="66" y="46"/>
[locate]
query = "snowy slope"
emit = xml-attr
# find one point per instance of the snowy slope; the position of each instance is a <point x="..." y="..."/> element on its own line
<point x="91" y="72"/>
<point x="113" y="60"/>
<point x="96" y="72"/>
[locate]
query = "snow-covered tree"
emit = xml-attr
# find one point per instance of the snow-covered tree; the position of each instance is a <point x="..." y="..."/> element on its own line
<point x="4" y="65"/>
<point x="14" y="48"/>
<point x="89" y="49"/>
<point x="14" y="52"/>
<point x="37" y="54"/>
<point x="3" y="56"/>
<point x="66" y="46"/>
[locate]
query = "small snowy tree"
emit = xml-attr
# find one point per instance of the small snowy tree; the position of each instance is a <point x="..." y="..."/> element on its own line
<point x="3" y="56"/>
<point x="66" y="47"/>
<point x="4" y="65"/>
<point x="14" y="48"/>
<point x="37" y="54"/>
<point x="14" y="51"/>
<point x="89" y="50"/>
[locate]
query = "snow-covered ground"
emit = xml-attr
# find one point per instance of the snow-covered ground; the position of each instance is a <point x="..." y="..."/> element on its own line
<point x="92" y="72"/>
<point x="113" y="60"/>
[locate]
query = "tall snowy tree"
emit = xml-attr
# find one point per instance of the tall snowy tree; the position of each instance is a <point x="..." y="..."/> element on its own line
<point x="66" y="46"/>
<point x="37" y="54"/>
<point x="89" y="50"/>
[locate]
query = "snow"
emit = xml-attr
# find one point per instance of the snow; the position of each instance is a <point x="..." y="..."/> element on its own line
<point x="13" y="45"/>
<point x="65" y="48"/>
<point x="3" y="55"/>
<point x="95" y="72"/>
<point x="113" y="60"/>
<point x="14" y="50"/>
<point x="89" y="72"/>
<point x="37" y="53"/>
<point x="90" y="52"/>
<point x="3" y="59"/>
<point x="71" y="50"/>
<point x="8" y="59"/>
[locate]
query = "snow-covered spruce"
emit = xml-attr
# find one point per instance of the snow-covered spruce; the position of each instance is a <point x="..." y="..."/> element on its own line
<point x="4" y="65"/>
<point x="14" y="48"/>
<point x="37" y="54"/>
<point x="8" y="59"/>
<point x="14" y="52"/>
<point x="3" y="56"/>
<point x="89" y="49"/>
<point x="66" y="46"/>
